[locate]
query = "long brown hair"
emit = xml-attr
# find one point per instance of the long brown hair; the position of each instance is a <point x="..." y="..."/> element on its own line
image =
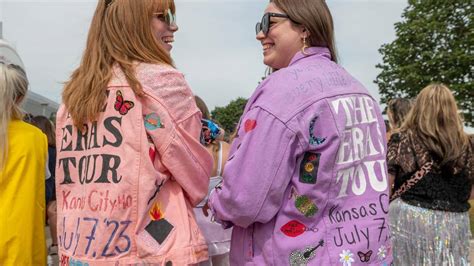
<point x="435" y="121"/>
<point x="43" y="123"/>
<point x="120" y="33"/>
<point x="13" y="88"/>
<point x="315" y="17"/>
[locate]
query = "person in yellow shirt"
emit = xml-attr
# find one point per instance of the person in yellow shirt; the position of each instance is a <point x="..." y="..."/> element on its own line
<point x="23" y="154"/>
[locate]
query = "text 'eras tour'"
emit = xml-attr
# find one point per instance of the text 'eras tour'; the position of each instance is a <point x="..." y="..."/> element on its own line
<point x="360" y="145"/>
<point x="92" y="167"/>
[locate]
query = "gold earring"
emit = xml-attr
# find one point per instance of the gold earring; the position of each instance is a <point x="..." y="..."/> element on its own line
<point x="305" y="45"/>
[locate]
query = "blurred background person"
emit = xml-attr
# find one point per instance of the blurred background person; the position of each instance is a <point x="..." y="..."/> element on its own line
<point x="23" y="155"/>
<point x="48" y="129"/>
<point x="431" y="160"/>
<point x="397" y="110"/>
<point x="218" y="239"/>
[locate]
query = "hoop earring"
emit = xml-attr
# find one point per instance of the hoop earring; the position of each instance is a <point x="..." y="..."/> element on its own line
<point x="305" y="45"/>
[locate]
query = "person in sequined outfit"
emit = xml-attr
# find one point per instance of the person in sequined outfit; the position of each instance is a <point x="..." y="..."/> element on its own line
<point x="430" y="222"/>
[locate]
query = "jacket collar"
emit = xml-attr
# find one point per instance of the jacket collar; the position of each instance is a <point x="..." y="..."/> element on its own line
<point x="311" y="51"/>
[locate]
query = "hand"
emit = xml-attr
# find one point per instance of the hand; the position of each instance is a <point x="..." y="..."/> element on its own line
<point x="205" y="210"/>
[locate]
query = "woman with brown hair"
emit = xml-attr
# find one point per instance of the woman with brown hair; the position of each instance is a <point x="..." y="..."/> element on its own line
<point x="431" y="160"/>
<point x="218" y="239"/>
<point x="397" y="110"/>
<point x="23" y="153"/>
<point x="305" y="182"/>
<point x="48" y="129"/>
<point x="130" y="164"/>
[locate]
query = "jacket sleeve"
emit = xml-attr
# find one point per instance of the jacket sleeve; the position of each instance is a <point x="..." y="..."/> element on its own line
<point x="257" y="172"/>
<point x="188" y="161"/>
<point x="179" y="149"/>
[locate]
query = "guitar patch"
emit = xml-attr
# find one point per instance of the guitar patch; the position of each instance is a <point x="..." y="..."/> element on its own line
<point x="299" y="258"/>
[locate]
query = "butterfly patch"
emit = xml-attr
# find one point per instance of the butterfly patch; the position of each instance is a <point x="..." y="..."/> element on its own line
<point x="309" y="168"/>
<point x="364" y="257"/>
<point x="313" y="140"/>
<point x="121" y="105"/>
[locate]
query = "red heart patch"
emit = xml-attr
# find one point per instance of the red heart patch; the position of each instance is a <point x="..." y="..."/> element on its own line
<point x="152" y="153"/>
<point x="250" y="124"/>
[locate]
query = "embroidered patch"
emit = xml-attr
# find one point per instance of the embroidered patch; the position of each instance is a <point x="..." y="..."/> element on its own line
<point x="382" y="252"/>
<point x="156" y="213"/>
<point x="159" y="230"/>
<point x="249" y="125"/>
<point x="295" y="228"/>
<point x="121" y="105"/>
<point x="152" y="153"/>
<point x="346" y="257"/>
<point x="313" y="140"/>
<point x="309" y="168"/>
<point x="153" y="121"/>
<point x="298" y="258"/>
<point x="364" y="257"/>
<point x="304" y="204"/>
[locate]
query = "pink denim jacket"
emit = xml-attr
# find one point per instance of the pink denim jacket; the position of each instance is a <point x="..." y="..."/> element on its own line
<point x="127" y="184"/>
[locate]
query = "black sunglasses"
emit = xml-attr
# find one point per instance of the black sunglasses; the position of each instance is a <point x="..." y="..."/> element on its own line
<point x="264" y="25"/>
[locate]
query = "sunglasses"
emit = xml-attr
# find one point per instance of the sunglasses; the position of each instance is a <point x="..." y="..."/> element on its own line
<point x="264" y="25"/>
<point x="167" y="17"/>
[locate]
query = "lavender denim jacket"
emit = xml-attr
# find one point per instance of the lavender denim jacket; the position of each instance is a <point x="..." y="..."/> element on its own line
<point x="306" y="179"/>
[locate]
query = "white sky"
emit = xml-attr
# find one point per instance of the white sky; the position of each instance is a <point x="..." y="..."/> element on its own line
<point x="215" y="46"/>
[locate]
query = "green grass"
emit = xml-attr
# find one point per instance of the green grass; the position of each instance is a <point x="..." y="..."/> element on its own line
<point x="471" y="216"/>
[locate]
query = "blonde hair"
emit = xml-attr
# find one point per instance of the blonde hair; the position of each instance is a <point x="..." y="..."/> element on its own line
<point x="315" y="17"/>
<point x="435" y="121"/>
<point x="13" y="88"/>
<point x="120" y="33"/>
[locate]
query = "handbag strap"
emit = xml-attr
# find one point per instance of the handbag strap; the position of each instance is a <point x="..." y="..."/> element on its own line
<point x="415" y="178"/>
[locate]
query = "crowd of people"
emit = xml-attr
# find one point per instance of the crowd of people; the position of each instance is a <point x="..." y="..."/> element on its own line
<point x="135" y="170"/>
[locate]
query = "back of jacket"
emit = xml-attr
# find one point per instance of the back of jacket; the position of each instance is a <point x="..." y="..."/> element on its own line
<point x="306" y="179"/>
<point x="126" y="184"/>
